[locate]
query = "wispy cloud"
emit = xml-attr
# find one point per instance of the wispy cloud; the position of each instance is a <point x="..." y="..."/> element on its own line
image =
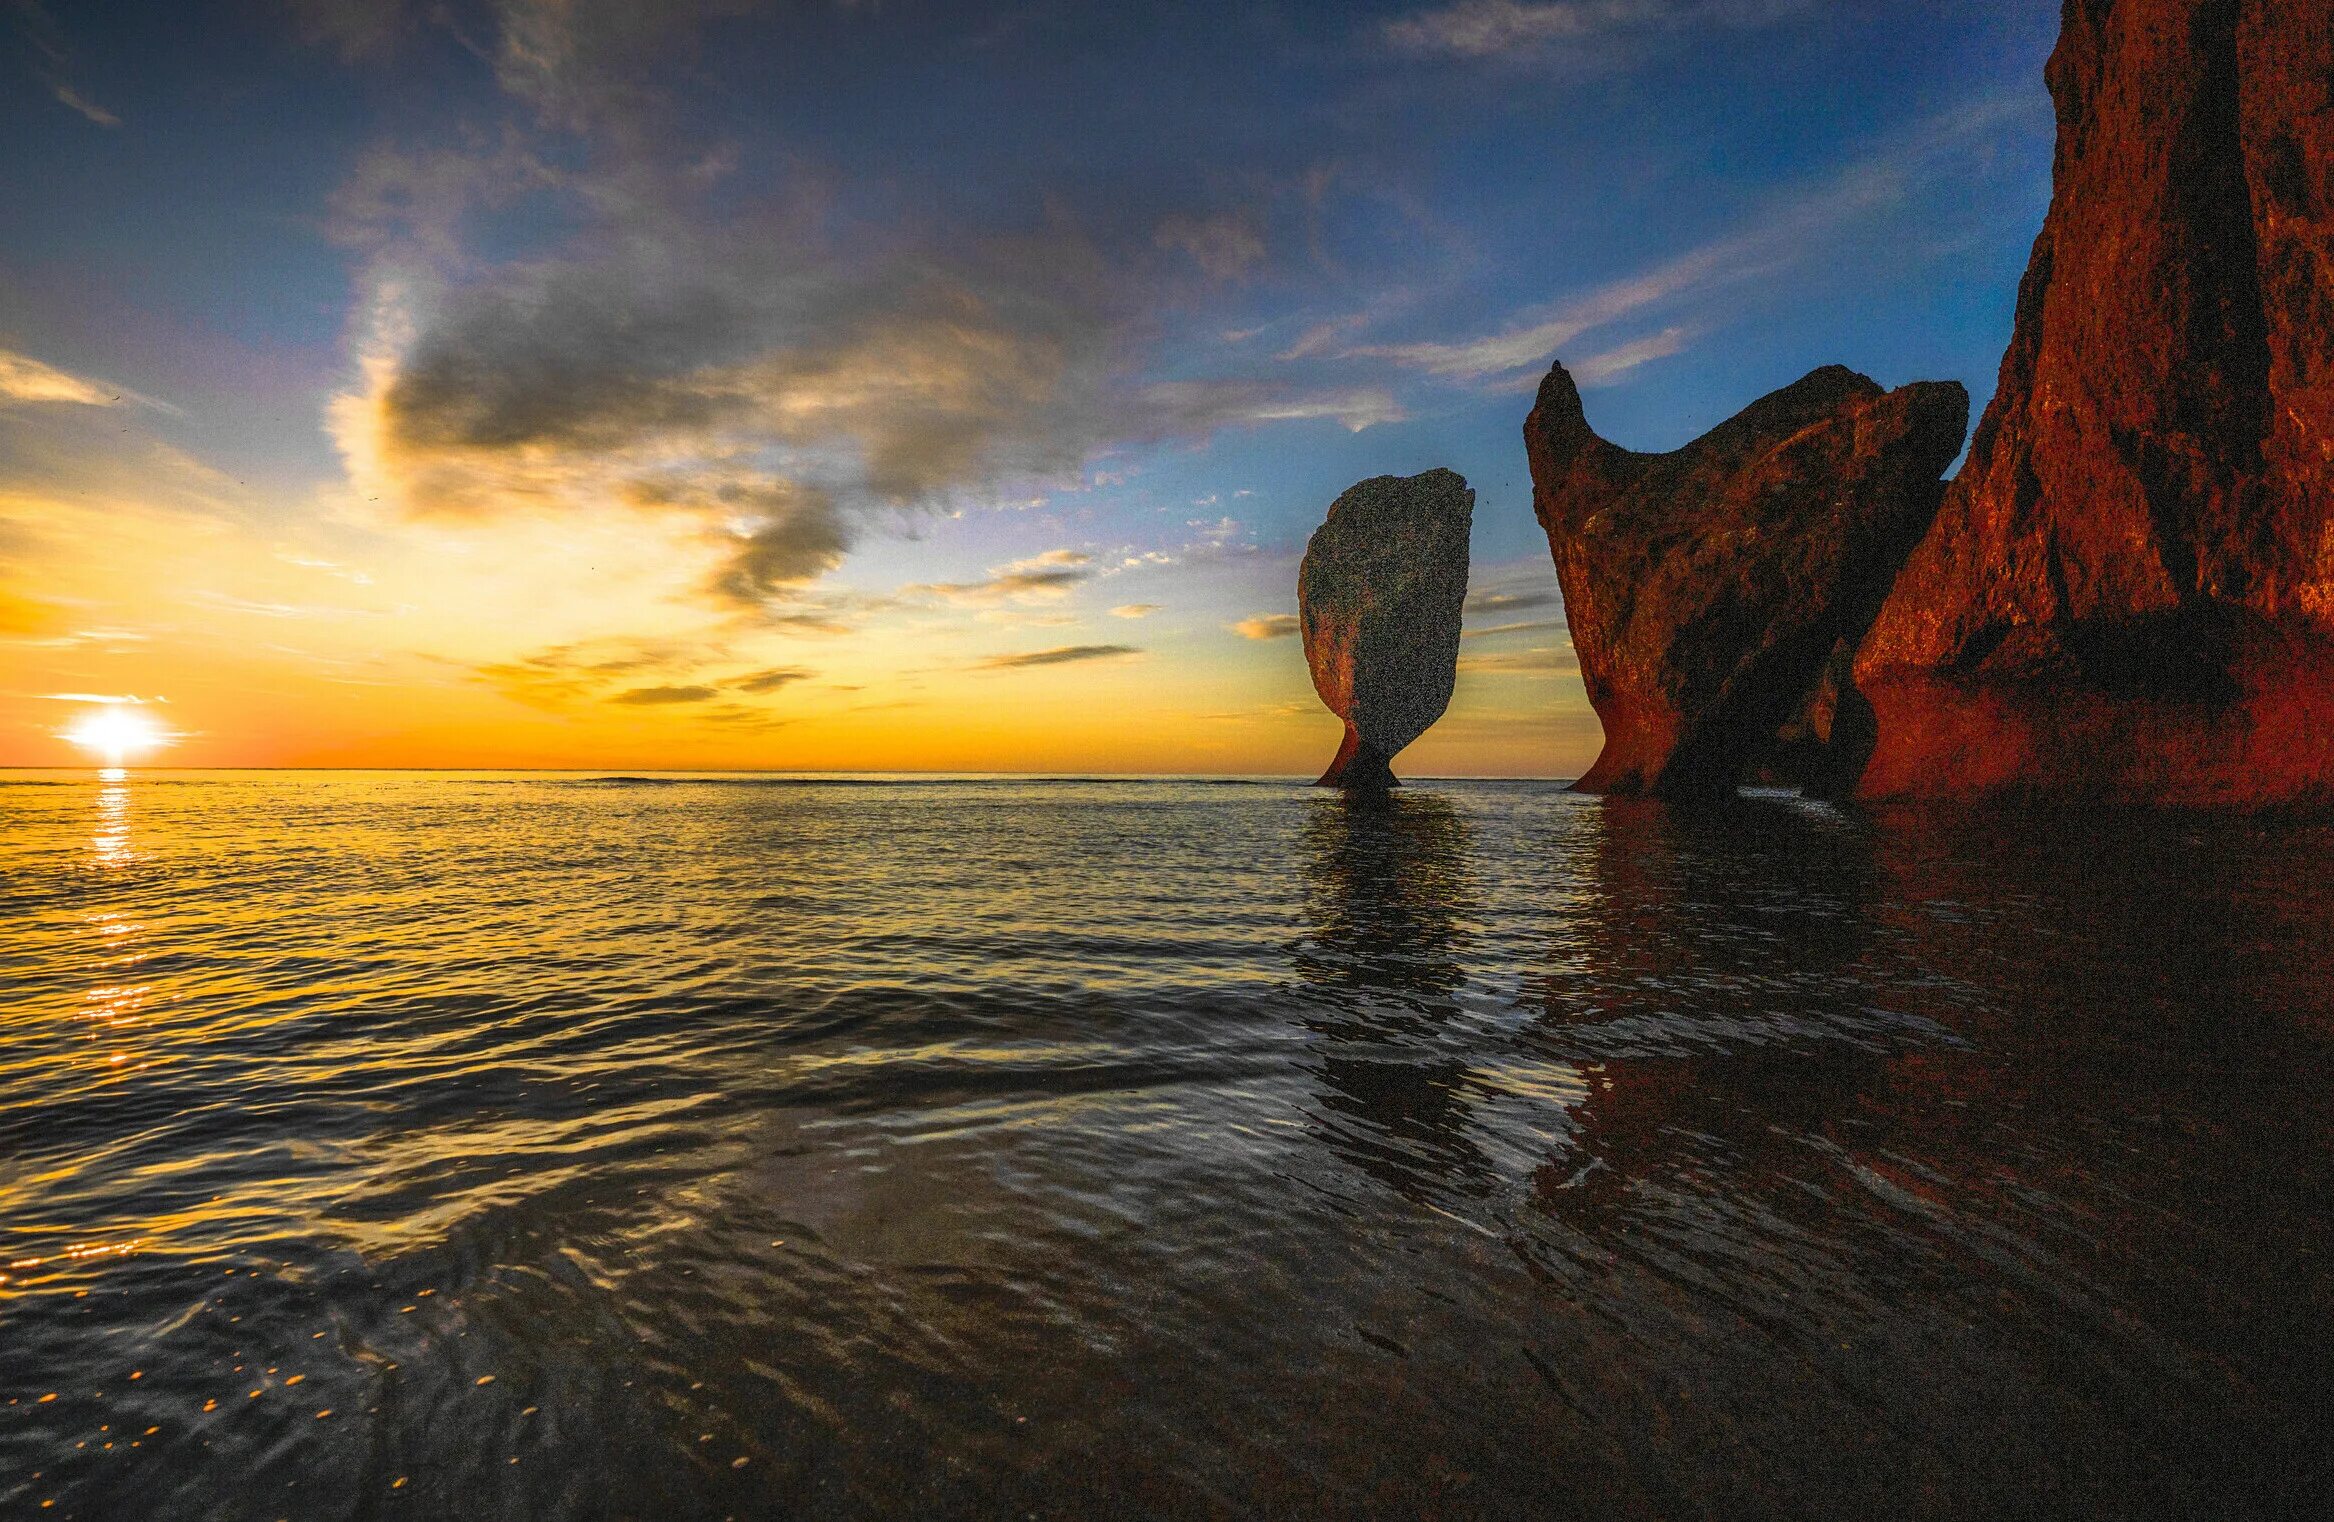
<point x="1522" y="626"/>
<point x="657" y="697"/>
<point x="1268" y="626"/>
<point x="772" y="679"/>
<point x="560" y="675"/>
<point x="46" y="40"/>
<point x="25" y="379"/>
<point x="260" y="608"/>
<point x="1508" y="603"/>
<point x="1224" y="247"/>
<point x="1603" y="369"/>
<point x="1792" y="233"/>
<point x="1062" y="655"/>
<point x="1194" y="407"/>
<point x="1040" y="578"/>
<point x="1517" y="662"/>
<point x="1135" y="609"/>
<point x="68" y="96"/>
<point x="1580" y="31"/>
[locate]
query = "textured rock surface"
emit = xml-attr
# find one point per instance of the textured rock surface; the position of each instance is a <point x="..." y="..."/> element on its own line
<point x="1379" y="597"/>
<point x="1707" y="588"/>
<point x="2129" y="593"/>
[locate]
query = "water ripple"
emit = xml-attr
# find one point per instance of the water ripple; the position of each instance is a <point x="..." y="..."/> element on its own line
<point x="381" y="1144"/>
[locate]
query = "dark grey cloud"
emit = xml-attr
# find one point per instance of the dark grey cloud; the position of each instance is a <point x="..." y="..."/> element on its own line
<point x="1060" y="656"/>
<point x="784" y="534"/>
<point x="749" y="360"/>
<point x="877" y="383"/>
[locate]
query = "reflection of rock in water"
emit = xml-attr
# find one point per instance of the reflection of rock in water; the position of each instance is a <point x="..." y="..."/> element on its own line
<point x="1716" y="977"/>
<point x="1387" y="890"/>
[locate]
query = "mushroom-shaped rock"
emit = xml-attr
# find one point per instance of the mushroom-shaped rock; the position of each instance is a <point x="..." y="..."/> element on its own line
<point x="1707" y="588"/>
<point x="2128" y="595"/>
<point x="1379" y="599"/>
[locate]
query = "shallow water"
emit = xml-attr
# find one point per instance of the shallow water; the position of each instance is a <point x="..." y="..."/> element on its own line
<point x="382" y="1145"/>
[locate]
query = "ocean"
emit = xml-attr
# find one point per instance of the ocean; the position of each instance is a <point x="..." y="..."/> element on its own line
<point x="547" y="1146"/>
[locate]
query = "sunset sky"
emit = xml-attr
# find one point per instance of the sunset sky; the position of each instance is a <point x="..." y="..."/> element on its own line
<point x="903" y="384"/>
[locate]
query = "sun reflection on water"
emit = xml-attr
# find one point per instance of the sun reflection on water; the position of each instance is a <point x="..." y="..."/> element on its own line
<point x="109" y="842"/>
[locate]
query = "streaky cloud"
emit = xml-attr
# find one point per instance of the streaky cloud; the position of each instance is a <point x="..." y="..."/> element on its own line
<point x="1580" y="32"/>
<point x="1792" y="233"/>
<point x="652" y="697"/>
<point x="1060" y="656"/>
<point x="1268" y="626"/>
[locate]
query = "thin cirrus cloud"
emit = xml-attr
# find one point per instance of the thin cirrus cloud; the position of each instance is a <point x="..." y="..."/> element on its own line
<point x="45" y="41"/>
<point x="1605" y="368"/>
<point x="1574" y="31"/>
<point x="25" y="379"/>
<point x="1268" y="626"/>
<point x="657" y="697"/>
<point x="1040" y="578"/>
<point x="1521" y="626"/>
<point x="576" y="63"/>
<point x="1792" y="233"/>
<point x="772" y="679"/>
<point x="1522" y="662"/>
<point x="1494" y="601"/>
<point x="1061" y="655"/>
<point x="1136" y="609"/>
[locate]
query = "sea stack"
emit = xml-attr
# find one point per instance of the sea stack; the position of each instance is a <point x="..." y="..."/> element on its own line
<point x="2128" y="595"/>
<point x="1708" y="588"/>
<point x="1379" y="599"/>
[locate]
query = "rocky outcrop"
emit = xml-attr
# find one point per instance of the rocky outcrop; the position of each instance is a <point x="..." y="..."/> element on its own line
<point x="1707" y="588"/>
<point x="2129" y="592"/>
<point x="1379" y="598"/>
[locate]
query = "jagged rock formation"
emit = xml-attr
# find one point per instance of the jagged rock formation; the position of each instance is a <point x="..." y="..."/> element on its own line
<point x="1379" y="598"/>
<point x="2129" y="592"/>
<point x="1707" y="588"/>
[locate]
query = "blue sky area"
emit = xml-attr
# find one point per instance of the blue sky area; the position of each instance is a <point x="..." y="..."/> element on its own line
<point x="880" y="293"/>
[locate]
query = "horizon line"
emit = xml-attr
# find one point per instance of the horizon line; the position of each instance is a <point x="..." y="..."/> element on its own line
<point x="765" y="771"/>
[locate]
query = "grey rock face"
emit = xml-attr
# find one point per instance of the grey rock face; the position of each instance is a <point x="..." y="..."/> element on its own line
<point x="1379" y="597"/>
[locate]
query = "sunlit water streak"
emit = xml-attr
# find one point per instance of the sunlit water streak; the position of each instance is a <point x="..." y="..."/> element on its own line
<point x="423" y="1145"/>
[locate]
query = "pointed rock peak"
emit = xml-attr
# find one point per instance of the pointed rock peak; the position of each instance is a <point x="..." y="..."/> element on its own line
<point x="1558" y="432"/>
<point x="1559" y="399"/>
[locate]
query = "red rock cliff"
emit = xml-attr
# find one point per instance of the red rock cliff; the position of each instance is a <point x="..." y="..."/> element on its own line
<point x="1707" y="588"/>
<point x="2129" y="591"/>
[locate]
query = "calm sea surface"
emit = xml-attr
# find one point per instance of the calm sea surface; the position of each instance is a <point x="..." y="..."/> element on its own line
<point x="413" y="1145"/>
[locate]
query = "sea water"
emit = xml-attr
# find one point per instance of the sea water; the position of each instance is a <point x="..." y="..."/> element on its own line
<point x="422" y="1145"/>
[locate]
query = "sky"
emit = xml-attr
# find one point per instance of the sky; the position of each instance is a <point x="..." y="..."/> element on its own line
<point x="906" y="384"/>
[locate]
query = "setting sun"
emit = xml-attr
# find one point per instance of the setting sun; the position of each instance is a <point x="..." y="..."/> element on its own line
<point x="118" y="734"/>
